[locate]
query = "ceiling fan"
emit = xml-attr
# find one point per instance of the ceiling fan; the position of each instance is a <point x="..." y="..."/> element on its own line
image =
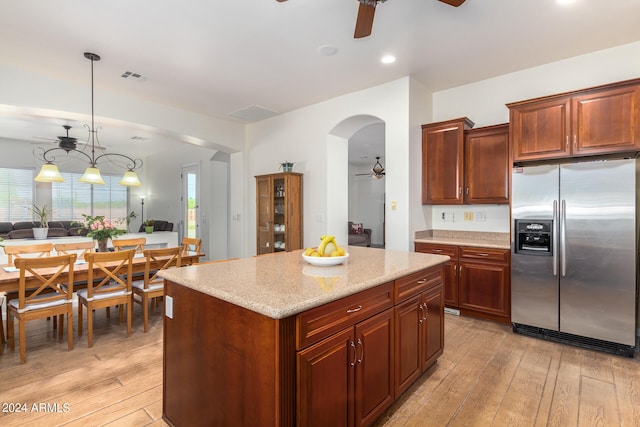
<point x="367" y="9"/>
<point x="377" y="171"/>
<point x="67" y="143"/>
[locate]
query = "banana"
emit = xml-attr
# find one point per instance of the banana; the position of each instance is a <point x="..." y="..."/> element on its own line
<point x="326" y="239"/>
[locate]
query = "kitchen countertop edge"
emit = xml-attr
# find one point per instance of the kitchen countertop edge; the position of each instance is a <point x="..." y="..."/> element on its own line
<point x="255" y="284"/>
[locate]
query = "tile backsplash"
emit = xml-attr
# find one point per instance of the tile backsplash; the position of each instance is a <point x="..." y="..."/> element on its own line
<point x="483" y="218"/>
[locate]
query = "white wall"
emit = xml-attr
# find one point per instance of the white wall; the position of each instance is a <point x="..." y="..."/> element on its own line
<point x="303" y="136"/>
<point x="484" y="103"/>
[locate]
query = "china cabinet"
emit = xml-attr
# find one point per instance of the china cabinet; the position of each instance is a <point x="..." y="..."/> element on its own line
<point x="278" y="212"/>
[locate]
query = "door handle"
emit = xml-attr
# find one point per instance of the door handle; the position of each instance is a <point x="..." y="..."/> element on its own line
<point x="555" y="238"/>
<point x="563" y="237"/>
<point x="355" y="356"/>
<point x="361" y="350"/>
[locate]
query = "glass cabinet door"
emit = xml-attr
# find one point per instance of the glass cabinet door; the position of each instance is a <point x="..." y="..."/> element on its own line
<point x="264" y="221"/>
<point x="279" y="215"/>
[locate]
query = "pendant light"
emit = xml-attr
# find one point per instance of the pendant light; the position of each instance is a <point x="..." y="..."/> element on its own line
<point x="49" y="171"/>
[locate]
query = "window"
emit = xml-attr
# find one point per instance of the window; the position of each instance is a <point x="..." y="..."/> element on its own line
<point x="72" y="198"/>
<point x="16" y="194"/>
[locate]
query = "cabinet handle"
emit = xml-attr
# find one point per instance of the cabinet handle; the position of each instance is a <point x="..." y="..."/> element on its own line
<point x="426" y="311"/>
<point x="353" y="346"/>
<point x="467" y="191"/>
<point x="482" y="254"/>
<point x="361" y="350"/>
<point x="354" y="310"/>
<point x="421" y="314"/>
<point x="436" y="251"/>
<point x="566" y="143"/>
<point x="422" y="281"/>
<point x="575" y="141"/>
<point x="459" y="191"/>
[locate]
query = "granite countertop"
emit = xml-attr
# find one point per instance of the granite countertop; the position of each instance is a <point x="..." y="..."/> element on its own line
<point x="283" y="284"/>
<point x="464" y="238"/>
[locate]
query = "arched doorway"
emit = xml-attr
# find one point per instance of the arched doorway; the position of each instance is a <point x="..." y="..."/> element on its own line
<point x="338" y="176"/>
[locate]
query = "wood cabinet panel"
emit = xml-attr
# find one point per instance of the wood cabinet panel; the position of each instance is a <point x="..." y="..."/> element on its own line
<point x="375" y="361"/>
<point x="442" y="161"/>
<point x="450" y="272"/>
<point x="325" y="382"/>
<point x="485" y="287"/>
<point x="408" y="340"/>
<point x="596" y="121"/>
<point x="487" y="165"/>
<point x="541" y="130"/>
<point x="320" y="322"/>
<point x="606" y="121"/>
<point x="433" y="326"/>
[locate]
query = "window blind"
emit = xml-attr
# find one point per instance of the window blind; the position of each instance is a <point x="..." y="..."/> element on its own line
<point x="16" y="194"/>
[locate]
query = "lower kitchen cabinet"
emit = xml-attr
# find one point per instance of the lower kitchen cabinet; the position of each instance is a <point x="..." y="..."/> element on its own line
<point x="335" y="393"/>
<point x="484" y="285"/>
<point x="419" y="335"/>
<point x="477" y="280"/>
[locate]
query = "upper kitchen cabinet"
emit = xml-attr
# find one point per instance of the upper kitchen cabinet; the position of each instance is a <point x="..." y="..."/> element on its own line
<point x="487" y="168"/>
<point x="443" y="161"/>
<point x="596" y="121"/>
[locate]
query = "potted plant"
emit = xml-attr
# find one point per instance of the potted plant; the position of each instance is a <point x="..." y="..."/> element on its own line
<point x="148" y="226"/>
<point x="42" y="215"/>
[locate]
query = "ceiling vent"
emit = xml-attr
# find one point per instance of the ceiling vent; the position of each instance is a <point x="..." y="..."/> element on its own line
<point x="132" y="75"/>
<point x="253" y="113"/>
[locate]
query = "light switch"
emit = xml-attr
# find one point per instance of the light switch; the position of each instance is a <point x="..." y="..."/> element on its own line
<point x="394" y="206"/>
<point x="168" y="307"/>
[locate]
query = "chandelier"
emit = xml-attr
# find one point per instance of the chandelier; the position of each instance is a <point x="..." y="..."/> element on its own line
<point x="49" y="171"/>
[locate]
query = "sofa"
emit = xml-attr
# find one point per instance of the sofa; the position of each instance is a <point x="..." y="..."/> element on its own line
<point x="358" y="235"/>
<point x="24" y="229"/>
<point x="159" y="225"/>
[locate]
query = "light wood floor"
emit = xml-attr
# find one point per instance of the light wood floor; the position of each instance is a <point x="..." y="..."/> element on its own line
<point x="487" y="376"/>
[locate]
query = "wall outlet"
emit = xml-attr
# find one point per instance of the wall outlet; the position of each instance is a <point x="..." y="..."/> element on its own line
<point x="480" y="216"/>
<point x="448" y="217"/>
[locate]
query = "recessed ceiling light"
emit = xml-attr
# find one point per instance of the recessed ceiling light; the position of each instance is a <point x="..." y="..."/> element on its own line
<point x="565" y="1"/>
<point x="327" y="50"/>
<point x="388" y="59"/>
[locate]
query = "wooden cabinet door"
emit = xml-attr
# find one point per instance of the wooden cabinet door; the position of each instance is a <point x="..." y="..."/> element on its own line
<point x="408" y="342"/>
<point x="540" y="130"/>
<point x="374" y="391"/>
<point x="432" y="326"/>
<point x="325" y="382"/>
<point x="606" y="121"/>
<point x="443" y="162"/>
<point x="485" y="288"/>
<point x="450" y="269"/>
<point x="487" y="165"/>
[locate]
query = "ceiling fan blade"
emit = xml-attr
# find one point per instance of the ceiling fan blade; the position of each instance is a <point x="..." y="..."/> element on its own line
<point x="454" y="3"/>
<point x="364" y="22"/>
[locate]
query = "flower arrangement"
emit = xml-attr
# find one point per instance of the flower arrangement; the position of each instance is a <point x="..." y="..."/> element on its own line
<point x="101" y="228"/>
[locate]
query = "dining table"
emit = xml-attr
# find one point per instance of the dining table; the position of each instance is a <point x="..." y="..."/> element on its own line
<point x="10" y="275"/>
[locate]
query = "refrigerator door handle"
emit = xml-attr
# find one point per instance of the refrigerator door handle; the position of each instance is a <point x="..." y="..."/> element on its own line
<point x="554" y="237"/>
<point x="563" y="237"/>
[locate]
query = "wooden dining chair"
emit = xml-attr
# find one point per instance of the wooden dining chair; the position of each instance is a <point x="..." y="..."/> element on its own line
<point x="41" y="295"/>
<point x="78" y="248"/>
<point x="125" y="244"/>
<point x="37" y="250"/>
<point x="108" y="284"/>
<point x="153" y="286"/>
<point x="191" y="244"/>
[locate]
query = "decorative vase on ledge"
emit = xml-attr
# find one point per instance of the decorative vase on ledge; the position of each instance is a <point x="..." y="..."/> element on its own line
<point x="102" y="245"/>
<point x="40" y="233"/>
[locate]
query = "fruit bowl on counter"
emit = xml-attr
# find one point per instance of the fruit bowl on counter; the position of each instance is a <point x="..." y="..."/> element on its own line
<point x="327" y="253"/>
<point x="324" y="261"/>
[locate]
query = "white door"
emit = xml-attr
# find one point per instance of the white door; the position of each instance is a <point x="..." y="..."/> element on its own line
<point x="190" y="201"/>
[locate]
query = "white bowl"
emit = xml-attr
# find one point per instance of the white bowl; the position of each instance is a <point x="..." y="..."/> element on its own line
<point x="324" y="261"/>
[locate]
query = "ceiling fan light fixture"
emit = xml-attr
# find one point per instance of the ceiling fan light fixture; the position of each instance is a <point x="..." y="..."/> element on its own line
<point x="49" y="173"/>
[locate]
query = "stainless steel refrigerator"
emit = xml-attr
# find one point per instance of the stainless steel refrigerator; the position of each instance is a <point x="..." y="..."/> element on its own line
<point x="574" y="253"/>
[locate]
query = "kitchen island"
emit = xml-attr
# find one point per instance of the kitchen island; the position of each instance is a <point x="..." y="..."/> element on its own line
<point x="272" y="340"/>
